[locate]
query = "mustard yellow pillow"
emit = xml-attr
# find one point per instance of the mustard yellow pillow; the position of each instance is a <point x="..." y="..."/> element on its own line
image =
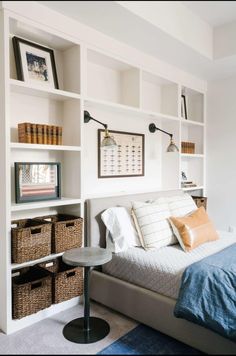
<point x="194" y="229"/>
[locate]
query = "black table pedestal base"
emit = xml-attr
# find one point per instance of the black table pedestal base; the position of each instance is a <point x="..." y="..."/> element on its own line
<point x="74" y="331"/>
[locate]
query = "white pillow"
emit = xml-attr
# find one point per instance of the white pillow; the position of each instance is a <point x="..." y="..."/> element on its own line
<point x="152" y="224"/>
<point x="181" y="205"/>
<point x="121" y="233"/>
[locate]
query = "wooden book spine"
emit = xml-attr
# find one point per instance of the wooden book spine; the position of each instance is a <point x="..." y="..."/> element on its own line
<point x="39" y="134"/>
<point x="45" y="134"/>
<point x="24" y="132"/>
<point x="33" y="133"/>
<point x="59" y="135"/>
<point x="54" y="135"/>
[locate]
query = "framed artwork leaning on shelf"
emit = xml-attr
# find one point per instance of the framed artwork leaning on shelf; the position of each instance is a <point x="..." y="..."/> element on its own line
<point x="36" y="181"/>
<point x="126" y="160"/>
<point x="184" y="113"/>
<point x="35" y="64"/>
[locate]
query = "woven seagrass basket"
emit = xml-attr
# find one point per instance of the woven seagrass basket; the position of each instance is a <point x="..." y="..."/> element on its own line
<point x="67" y="281"/>
<point x="31" y="240"/>
<point x="66" y="231"/>
<point x="32" y="291"/>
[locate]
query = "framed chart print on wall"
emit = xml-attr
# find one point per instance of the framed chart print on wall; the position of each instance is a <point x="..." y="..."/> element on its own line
<point x="126" y="160"/>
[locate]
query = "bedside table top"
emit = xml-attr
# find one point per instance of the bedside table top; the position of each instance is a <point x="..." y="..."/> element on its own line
<point x="87" y="256"/>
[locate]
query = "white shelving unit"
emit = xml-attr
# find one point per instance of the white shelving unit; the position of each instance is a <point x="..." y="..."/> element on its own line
<point x="89" y="79"/>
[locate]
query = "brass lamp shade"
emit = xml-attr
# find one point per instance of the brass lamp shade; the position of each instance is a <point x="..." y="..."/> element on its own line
<point x="172" y="147"/>
<point x="108" y="141"/>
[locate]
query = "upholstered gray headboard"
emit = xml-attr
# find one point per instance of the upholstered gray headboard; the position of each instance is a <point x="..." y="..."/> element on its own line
<point x="95" y="229"/>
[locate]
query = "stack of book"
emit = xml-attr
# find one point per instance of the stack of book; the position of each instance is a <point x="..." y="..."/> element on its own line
<point x="39" y="133"/>
<point x="188" y="184"/>
<point x="187" y="147"/>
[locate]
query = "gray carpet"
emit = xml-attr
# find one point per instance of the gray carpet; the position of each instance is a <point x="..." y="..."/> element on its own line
<point x="46" y="336"/>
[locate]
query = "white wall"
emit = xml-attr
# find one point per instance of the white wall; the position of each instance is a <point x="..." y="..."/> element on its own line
<point x="221" y="152"/>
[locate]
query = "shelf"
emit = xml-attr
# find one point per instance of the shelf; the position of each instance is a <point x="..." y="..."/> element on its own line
<point x="15" y="266"/>
<point x="45" y="204"/>
<point x="193" y="188"/>
<point x="101" y="104"/>
<point x="191" y="155"/>
<point x="20" y="87"/>
<point x="29" y="146"/>
<point x="191" y="122"/>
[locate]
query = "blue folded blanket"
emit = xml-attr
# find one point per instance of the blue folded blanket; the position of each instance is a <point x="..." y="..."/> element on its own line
<point x="208" y="293"/>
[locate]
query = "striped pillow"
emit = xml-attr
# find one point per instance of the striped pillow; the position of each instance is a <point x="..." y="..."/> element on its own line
<point x="181" y="205"/>
<point x="151" y="221"/>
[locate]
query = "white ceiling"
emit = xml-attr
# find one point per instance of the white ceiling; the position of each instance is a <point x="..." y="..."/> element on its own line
<point x="112" y="19"/>
<point x="215" y="13"/>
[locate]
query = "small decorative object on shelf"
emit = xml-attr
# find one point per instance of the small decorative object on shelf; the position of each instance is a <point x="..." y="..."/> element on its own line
<point x="32" y="291"/>
<point x="67" y="281"/>
<point x="187" y="147"/>
<point x="36" y="181"/>
<point x="188" y="184"/>
<point x="30" y="240"/>
<point x="35" y="64"/>
<point x="38" y="133"/>
<point x="200" y="201"/>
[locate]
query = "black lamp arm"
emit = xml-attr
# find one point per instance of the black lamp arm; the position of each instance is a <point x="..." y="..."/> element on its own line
<point x="153" y="128"/>
<point x="87" y="118"/>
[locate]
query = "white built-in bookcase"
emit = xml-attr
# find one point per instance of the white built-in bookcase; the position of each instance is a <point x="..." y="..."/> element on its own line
<point x="89" y="79"/>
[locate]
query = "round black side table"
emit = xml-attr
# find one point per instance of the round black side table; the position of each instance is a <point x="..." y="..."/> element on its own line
<point x="87" y="329"/>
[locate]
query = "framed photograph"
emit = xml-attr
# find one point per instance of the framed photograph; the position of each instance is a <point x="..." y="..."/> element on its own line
<point x="126" y="160"/>
<point x="36" y="181"/>
<point x="35" y="64"/>
<point x="184" y="113"/>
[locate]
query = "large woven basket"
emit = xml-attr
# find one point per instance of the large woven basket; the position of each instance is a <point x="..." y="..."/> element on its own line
<point x="67" y="281"/>
<point x="66" y="231"/>
<point x="32" y="291"/>
<point x="31" y="240"/>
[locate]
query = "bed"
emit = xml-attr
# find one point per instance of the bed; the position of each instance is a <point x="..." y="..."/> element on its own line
<point x="144" y="303"/>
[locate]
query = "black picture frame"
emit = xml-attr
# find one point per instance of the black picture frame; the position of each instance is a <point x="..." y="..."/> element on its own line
<point x="30" y="191"/>
<point x="136" y="158"/>
<point x="24" y="63"/>
<point x="184" y="112"/>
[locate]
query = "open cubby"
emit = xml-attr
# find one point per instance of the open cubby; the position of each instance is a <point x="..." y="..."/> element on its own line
<point x="70" y="170"/>
<point x="111" y="80"/>
<point x="67" y="54"/>
<point x="193" y="133"/>
<point x="159" y="95"/>
<point x="193" y="168"/>
<point x="46" y="111"/>
<point x="194" y="104"/>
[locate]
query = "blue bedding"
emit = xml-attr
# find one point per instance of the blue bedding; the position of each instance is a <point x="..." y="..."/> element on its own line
<point x="208" y="293"/>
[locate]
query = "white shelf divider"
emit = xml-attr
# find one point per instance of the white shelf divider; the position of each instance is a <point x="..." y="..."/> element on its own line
<point x="18" y="86"/>
<point x="193" y="188"/>
<point x="44" y="204"/>
<point x="191" y="155"/>
<point x="30" y="146"/>
<point x="53" y="256"/>
<point x="97" y="103"/>
<point x="191" y="122"/>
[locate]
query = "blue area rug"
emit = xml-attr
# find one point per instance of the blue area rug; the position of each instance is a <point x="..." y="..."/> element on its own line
<point x="144" y="340"/>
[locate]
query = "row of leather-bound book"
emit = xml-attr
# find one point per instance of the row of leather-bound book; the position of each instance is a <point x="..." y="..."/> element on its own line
<point x="39" y="133"/>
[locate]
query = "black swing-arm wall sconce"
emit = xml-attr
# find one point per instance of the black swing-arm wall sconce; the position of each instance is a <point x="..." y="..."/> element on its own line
<point x="172" y="146"/>
<point x="107" y="141"/>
